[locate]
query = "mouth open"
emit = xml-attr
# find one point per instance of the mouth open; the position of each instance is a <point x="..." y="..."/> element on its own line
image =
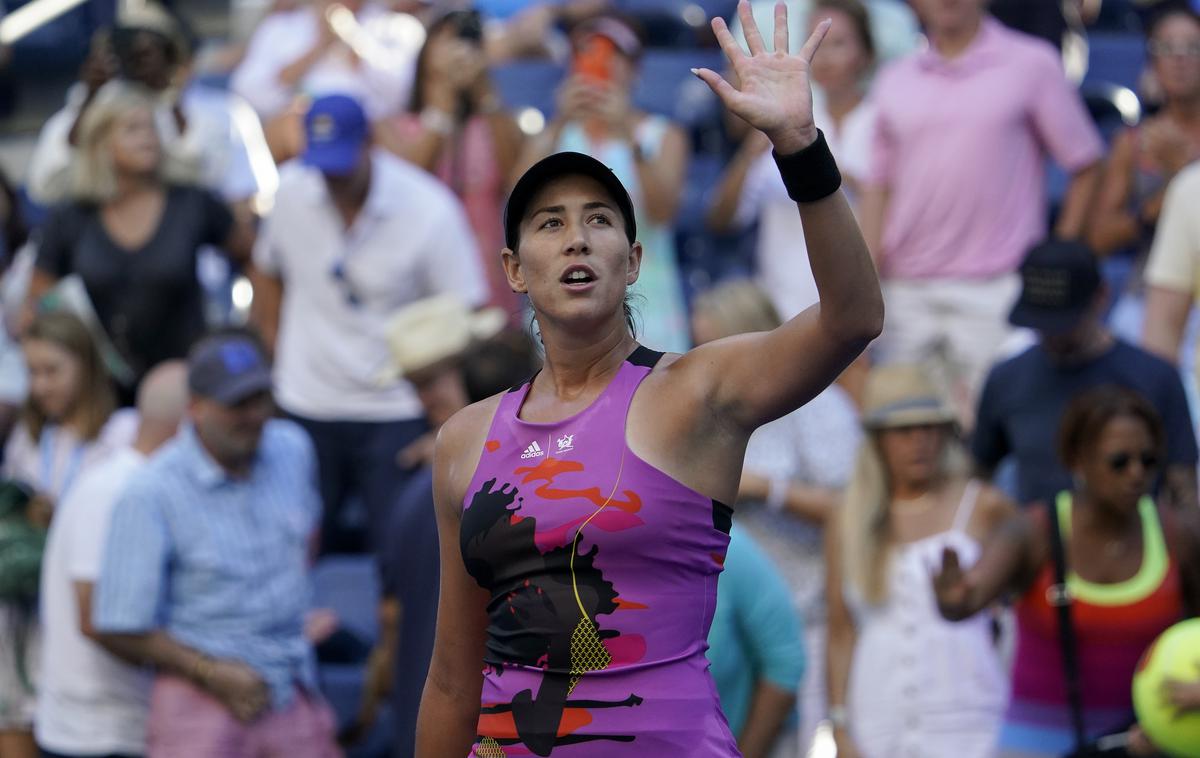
<point x="578" y="277"/>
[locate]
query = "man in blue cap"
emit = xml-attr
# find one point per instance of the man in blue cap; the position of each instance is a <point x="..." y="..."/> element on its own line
<point x="205" y="572"/>
<point x="355" y="234"/>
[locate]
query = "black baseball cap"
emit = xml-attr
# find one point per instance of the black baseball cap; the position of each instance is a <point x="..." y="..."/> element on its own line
<point x="547" y="170"/>
<point x="1059" y="281"/>
<point x="228" y="369"/>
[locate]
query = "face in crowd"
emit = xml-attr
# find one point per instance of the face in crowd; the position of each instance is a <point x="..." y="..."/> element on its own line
<point x="55" y="378"/>
<point x="912" y="454"/>
<point x="1174" y="47"/>
<point x="232" y="433"/>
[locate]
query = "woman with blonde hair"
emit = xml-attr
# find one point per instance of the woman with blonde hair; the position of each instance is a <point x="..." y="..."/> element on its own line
<point x="795" y="468"/>
<point x="903" y="681"/>
<point x="132" y="231"/>
<point x="67" y="425"/>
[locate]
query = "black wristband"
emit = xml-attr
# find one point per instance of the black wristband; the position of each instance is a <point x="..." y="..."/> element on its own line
<point x="810" y="174"/>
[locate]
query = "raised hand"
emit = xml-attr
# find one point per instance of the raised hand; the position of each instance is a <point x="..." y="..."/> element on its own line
<point x="952" y="588"/>
<point x="774" y="94"/>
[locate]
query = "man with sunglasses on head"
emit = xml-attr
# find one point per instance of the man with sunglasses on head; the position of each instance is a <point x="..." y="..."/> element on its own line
<point x="355" y="234"/>
<point x="1064" y="300"/>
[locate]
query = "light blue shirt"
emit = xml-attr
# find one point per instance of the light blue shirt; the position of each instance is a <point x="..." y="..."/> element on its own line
<point x="756" y="632"/>
<point x="219" y="564"/>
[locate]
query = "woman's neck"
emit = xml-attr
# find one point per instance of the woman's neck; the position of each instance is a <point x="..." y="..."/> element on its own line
<point x="135" y="185"/>
<point x="840" y="103"/>
<point x="574" y="363"/>
<point x="1185" y="112"/>
<point x="1102" y="519"/>
<point x="912" y="490"/>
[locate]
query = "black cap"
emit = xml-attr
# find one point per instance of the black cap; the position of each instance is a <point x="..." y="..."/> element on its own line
<point x="228" y="369"/>
<point x="551" y="168"/>
<point x="1059" y="280"/>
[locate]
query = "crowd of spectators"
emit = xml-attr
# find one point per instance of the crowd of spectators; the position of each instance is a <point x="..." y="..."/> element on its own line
<point x="240" y="301"/>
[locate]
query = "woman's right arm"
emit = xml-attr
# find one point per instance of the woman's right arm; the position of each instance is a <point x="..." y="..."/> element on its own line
<point x="722" y="213"/>
<point x="449" y="712"/>
<point x="1112" y="226"/>
<point x="842" y="637"/>
<point x="1011" y="552"/>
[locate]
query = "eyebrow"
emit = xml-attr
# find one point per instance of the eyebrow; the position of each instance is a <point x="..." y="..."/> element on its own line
<point x="589" y="206"/>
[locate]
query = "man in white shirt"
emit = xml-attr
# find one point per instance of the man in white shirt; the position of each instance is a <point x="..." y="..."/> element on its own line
<point x="357" y="47"/>
<point x="1173" y="270"/>
<point x="90" y="703"/>
<point x="355" y="234"/>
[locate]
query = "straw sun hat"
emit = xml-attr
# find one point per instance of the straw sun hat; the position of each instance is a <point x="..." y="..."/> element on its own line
<point x="430" y="331"/>
<point x="899" y="396"/>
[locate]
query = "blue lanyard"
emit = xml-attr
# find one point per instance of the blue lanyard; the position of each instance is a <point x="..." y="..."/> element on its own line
<point x="46" y="445"/>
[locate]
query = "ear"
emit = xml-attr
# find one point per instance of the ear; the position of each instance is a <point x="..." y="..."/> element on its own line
<point x="512" y="270"/>
<point x="635" y="263"/>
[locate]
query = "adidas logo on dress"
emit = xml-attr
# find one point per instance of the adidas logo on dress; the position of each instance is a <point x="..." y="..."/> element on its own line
<point x="533" y="451"/>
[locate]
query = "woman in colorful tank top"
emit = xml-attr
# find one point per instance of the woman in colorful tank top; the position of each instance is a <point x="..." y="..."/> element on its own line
<point x="1132" y="571"/>
<point x="581" y="517"/>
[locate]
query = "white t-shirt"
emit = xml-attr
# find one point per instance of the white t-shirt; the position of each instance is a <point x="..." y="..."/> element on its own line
<point x="1174" y="262"/>
<point x="380" y="75"/>
<point x="88" y="700"/>
<point x="56" y="462"/>
<point x="783" y="268"/>
<point x="411" y="240"/>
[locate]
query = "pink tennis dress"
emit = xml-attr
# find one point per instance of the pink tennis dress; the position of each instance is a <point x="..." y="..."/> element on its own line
<point x="603" y="578"/>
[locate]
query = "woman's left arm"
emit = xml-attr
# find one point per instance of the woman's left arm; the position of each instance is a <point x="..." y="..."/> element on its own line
<point x="754" y="378"/>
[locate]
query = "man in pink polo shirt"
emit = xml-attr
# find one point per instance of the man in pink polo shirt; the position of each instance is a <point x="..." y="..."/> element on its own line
<point x="956" y="193"/>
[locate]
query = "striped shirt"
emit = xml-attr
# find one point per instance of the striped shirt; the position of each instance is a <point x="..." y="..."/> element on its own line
<point x="219" y="564"/>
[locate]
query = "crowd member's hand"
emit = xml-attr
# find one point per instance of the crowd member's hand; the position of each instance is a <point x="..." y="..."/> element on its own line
<point x="1168" y="145"/>
<point x="1140" y="744"/>
<point x="99" y="67"/>
<point x="774" y="94"/>
<point x="845" y="745"/>
<point x="238" y="687"/>
<point x="40" y="511"/>
<point x="609" y="104"/>
<point x="418" y="453"/>
<point x="1184" y="696"/>
<point x="952" y="588"/>
<point x="574" y="99"/>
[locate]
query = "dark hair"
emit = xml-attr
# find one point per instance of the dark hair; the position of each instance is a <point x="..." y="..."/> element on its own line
<point x="463" y="21"/>
<point x="497" y="364"/>
<point x="858" y="14"/>
<point x="1088" y="414"/>
<point x="14" y="228"/>
<point x="1168" y="11"/>
<point x="96" y="392"/>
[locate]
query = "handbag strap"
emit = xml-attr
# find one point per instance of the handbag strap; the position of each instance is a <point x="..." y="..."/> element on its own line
<point x="1060" y="597"/>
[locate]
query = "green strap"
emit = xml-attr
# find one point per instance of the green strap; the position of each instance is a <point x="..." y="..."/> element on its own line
<point x="1150" y="576"/>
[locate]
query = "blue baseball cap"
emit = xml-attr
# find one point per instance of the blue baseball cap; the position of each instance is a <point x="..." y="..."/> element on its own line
<point x="228" y="369"/>
<point x="335" y="130"/>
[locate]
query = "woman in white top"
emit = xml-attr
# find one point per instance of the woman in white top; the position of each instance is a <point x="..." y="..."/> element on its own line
<point x="902" y="681"/>
<point x="751" y="188"/>
<point x="68" y="424"/>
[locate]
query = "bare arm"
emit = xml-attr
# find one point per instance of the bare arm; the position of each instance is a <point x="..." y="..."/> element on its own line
<point x="240" y="242"/>
<point x="264" y="308"/>
<point x="1009" y="555"/>
<point x="661" y="177"/>
<point x="1180" y="487"/>
<point x="1077" y="205"/>
<point x="450" y="703"/>
<point x="770" y="707"/>
<point x="842" y="635"/>
<point x="755" y="378"/>
<point x="83" y="601"/>
<point x="873" y="208"/>
<point x="722" y="212"/>
<point x="1166" y="320"/>
<point x="1112" y="226"/>
<point x="805" y="501"/>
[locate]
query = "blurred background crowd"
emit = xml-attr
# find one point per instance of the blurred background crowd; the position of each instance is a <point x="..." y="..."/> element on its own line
<point x="250" y="257"/>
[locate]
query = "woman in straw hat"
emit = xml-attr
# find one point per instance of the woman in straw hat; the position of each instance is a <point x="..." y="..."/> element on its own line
<point x="581" y="515"/>
<point x="903" y="681"/>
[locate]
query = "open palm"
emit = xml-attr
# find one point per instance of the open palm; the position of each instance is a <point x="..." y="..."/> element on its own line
<point x="774" y="94"/>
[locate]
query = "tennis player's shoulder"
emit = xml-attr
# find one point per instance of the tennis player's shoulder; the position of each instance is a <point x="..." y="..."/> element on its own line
<point x="465" y="432"/>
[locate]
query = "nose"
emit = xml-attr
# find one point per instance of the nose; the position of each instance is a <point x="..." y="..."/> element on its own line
<point x="577" y="240"/>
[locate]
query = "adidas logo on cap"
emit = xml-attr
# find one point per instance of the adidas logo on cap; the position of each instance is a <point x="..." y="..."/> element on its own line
<point x="533" y="451"/>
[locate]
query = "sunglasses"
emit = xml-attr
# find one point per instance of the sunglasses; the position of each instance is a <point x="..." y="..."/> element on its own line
<point x="1121" y="461"/>
<point x="1166" y="50"/>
